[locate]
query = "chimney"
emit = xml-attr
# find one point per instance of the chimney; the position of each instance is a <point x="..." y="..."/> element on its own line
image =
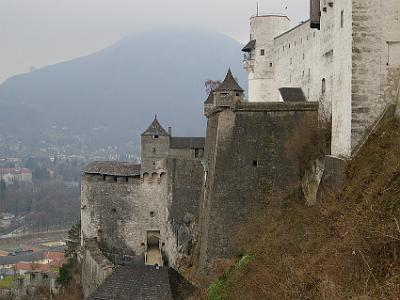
<point x="170" y="131"/>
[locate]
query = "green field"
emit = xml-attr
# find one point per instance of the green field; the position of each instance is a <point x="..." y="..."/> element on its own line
<point x="6" y="282"/>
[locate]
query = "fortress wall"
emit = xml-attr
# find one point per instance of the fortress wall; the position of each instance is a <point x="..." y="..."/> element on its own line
<point x="186" y="190"/>
<point x="342" y="64"/>
<point x="297" y="60"/>
<point x="121" y="213"/>
<point x="181" y="153"/>
<point x="249" y="168"/>
<point x="319" y="61"/>
<point x="95" y="267"/>
<point x="375" y="61"/>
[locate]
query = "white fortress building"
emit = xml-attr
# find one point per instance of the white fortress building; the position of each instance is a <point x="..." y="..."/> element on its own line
<point x="346" y="57"/>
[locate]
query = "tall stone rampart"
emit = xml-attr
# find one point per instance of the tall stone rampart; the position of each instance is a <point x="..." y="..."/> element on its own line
<point x="249" y="167"/>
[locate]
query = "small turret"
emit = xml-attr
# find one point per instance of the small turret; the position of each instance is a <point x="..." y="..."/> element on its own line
<point x="229" y="92"/>
<point x="155" y="145"/>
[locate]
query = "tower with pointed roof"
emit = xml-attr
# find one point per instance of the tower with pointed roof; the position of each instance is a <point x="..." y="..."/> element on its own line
<point x="226" y="95"/>
<point x="155" y="145"/>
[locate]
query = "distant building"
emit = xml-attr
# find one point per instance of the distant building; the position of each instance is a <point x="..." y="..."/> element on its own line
<point x="12" y="175"/>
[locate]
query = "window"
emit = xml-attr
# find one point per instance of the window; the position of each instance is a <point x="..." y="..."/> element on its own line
<point x="154" y="150"/>
<point x="323" y="86"/>
<point x="113" y="210"/>
<point x="155" y="136"/>
<point x="152" y="213"/>
<point x="126" y="179"/>
<point x="342" y="19"/>
<point x="262" y="52"/>
<point x="198" y="153"/>
<point x="255" y="163"/>
<point x="104" y="177"/>
<point x="270" y="64"/>
<point x="115" y="178"/>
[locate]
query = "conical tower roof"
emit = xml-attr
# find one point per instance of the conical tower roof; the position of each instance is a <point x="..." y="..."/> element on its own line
<point x="210" y="99"/>
<point x="229" y="84"/>
<point x="155" y="128"/>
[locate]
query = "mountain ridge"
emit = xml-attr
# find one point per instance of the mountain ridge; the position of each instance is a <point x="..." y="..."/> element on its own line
<point x="119" y="88"/>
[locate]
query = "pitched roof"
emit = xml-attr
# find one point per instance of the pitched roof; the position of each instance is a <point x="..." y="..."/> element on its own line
<point x="291" y="94"/>
<point x="32" y="267"/>
<point x="155" y="128"/>
<point x="135" y="282"/>
<point x="54" y="255"/>
<point x="187" y="142"/>
<point x="229" y="84"/>
<point x="210" y="99"/>
<point x="249" y="46"/>
<point x="114" y="168"/>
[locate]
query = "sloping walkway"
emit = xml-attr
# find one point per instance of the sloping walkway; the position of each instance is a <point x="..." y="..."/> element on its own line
<point x="136" y="283"/>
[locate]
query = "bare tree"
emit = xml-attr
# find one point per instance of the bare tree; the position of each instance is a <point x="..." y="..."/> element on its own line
<point x="211" y="85"/>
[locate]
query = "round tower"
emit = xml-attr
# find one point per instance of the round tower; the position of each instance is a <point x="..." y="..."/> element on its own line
<point x="259" y="56"/>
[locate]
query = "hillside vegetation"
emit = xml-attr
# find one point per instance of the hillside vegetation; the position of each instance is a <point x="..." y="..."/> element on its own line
<point x="346" y="247"/>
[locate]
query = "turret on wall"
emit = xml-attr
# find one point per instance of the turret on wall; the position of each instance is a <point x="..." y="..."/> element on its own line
<point x="227" y="95"/>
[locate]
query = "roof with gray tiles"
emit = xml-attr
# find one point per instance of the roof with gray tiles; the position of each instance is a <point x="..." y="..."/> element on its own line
<point x="291" y="94"/>
<point x="114" y="168"/>
<point x="210" y="99"/>
<point x="249" y="46"/>
<point x="155" y="128"/>
<point x="229" y="84"/>
<point x="187" y="142"/>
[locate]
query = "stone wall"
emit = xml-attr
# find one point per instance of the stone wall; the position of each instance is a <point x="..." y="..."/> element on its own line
<point x="119" y="214"/>
<point x="350" y="65"/>
<point x="95" y="267"/>
<point x="319" y="62"/>
<point x="119" y="211"/>
<point x="375" y="73"/>
<point x="249" y="167"/>
<point x="295" y="54"/>
<point x="186" y="191"/>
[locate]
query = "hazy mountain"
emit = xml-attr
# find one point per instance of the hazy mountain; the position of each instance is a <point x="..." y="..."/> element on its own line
<point x="111" y="96"/>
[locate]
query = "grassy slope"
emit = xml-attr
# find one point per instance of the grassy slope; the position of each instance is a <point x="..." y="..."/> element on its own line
<point x="347" y="247"/>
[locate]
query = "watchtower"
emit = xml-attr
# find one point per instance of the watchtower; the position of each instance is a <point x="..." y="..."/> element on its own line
<point x="229" y="92"/>
<point x="259" y="56"/>
<point x="155" y="146"/>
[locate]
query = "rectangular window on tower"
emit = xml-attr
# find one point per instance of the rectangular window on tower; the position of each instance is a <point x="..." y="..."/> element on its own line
<point x="262" y="52"/>
<point x="199" y="153"/>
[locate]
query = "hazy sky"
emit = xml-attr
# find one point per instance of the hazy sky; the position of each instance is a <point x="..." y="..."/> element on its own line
<point x="35" y="33"/>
